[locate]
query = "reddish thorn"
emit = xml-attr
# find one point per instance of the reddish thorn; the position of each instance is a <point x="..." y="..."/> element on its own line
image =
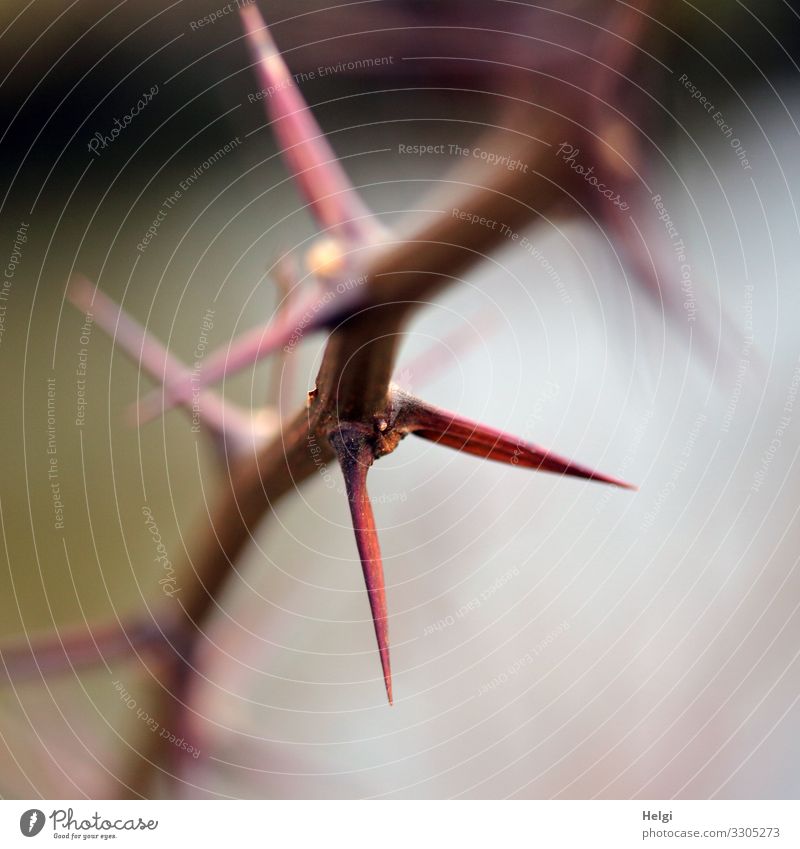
<point x="355" y="457"/>
<point x="465" y="435"/>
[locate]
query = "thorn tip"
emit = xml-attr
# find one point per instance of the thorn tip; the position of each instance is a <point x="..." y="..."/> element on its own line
<point x="356" y="455"/>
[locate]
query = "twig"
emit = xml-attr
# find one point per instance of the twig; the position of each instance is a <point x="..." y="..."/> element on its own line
<point x="354" y="412"/>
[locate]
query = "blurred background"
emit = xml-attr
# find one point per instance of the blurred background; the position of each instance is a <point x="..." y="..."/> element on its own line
<point x="550" y="638"/>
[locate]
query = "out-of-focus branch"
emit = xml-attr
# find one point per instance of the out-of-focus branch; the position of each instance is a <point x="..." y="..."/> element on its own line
<point x="233" y="428"/>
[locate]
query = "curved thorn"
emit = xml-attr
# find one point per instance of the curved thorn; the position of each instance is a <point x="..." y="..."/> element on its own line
<point x="355" y="457"/>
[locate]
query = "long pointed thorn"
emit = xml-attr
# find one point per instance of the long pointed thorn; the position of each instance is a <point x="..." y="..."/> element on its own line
<point x="472" y="438"/>
<point x="355" y="458"/>
<point x="307" y="153"/>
